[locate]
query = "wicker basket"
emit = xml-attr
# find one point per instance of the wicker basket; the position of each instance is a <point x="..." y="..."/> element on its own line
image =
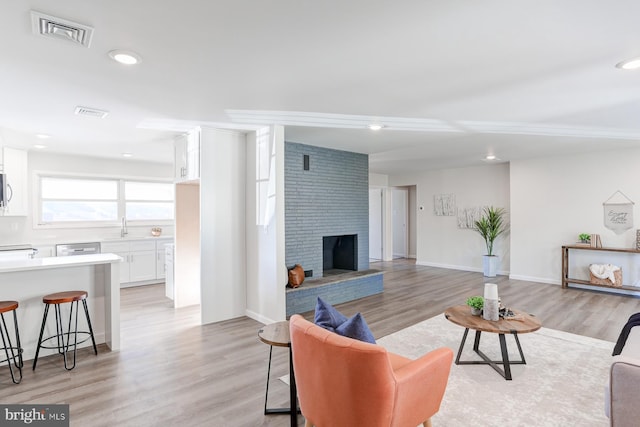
<point x="606" y="282"/>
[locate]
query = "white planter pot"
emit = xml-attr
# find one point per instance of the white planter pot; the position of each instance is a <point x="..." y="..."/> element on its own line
<point x="490" y="265"/>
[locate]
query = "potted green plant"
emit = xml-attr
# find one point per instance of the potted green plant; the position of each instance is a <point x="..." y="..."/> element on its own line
<point x="584" y="237"/>
<point x="476" y="303"/>
<point x="491" y="225"/>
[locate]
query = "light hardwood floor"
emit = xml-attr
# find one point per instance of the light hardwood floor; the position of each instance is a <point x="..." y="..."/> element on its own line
<point x="173" y="372"/>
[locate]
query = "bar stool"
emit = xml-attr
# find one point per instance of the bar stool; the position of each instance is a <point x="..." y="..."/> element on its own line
<point x="16" y="352"/>
<point x="63" y="348"/>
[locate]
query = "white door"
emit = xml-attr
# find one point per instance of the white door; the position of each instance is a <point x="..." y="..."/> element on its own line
<point x="399" y="200"/>
<point x="375" y="223"/>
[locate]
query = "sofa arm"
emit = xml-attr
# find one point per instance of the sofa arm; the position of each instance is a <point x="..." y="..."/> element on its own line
<point x="624" y="380"/>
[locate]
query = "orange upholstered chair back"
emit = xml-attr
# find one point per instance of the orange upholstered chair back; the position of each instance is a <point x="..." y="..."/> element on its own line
<point x="344" y="382"/>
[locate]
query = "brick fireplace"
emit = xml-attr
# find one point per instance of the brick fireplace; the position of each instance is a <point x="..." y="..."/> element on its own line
<point x="330" y="198"/>
<point x="327" y="225"/>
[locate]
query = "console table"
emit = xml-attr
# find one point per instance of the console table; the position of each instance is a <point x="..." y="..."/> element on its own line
<point x="565" y="266"/>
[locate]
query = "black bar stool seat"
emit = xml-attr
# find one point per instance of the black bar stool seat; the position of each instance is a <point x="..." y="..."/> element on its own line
<point x="57" y="299"/>
<point x="16" y="351"/>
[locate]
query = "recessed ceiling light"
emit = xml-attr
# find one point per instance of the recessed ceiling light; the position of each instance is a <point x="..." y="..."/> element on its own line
<point x="125" y="57"/>
<point x="375" y="126"/>
<point x="39" y="146"/>
<point x="127" y="155"/>
<point x="630" y="64"/>
<point x="42" y="136"/>
<point x="490" y="157"/>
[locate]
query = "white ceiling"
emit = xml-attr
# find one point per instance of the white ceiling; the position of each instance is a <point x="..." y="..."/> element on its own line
<point x="470" y="78"/>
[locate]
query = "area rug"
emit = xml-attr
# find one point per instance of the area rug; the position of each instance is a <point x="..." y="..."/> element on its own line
<point x="562" y="383"/>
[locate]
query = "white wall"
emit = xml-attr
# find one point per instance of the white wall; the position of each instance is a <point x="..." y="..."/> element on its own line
<point x="556" y="198"/>
<point x="266" y="269"/>
<point x="377" y="180"/>
<point x="223" y="225"/>
<point x="19" y="230"/>
<point x="440" y="242"/>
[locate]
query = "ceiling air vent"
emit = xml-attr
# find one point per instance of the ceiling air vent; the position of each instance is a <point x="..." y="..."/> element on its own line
<point x="91" y="112"/>
<point x="58" y="28"/>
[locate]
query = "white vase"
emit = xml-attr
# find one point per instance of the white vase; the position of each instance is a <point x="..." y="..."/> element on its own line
<point x="490" y="265"/>
<point x="491" y="302"/>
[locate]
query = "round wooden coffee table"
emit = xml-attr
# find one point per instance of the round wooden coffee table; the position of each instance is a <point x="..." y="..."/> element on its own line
<point x="461" y="315"/>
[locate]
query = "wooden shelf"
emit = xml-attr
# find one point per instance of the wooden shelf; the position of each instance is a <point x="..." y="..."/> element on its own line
<point x="589" y="248"/>
<point x="565" y="267"/>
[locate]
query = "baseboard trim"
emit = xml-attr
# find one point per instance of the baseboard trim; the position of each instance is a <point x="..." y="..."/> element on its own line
<point x="458" y="267"/>
<point x="535" y="279"/>
<point x="258" y="317"/>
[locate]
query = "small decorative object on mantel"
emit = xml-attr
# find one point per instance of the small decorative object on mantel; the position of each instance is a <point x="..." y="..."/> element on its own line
<point x="296" y="276"/>
<point x="638" y="240"/>
<point x="605" y="274"/>
<point x="618" y="215"/>
<point x="476" y="304"/>
<point x="156" y="231"/>
<point x="595" y="241"/>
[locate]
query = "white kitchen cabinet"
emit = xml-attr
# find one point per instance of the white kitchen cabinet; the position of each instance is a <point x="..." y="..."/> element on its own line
<point x="161" y="272"/>
<point x="170" y="290"/>
<point x="138" y="260"/>
<point x="14" y="165"/>
<point x="193" y="154"/>
<point x="187" y="156"/>
<point x="142" y="262"/>
<point x="142" y="266"/>
<point x="180" y="157"/>
<point x="121" y="249"/>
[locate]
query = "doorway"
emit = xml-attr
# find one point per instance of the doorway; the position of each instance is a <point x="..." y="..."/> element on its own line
<point x="400" y="220"/>
<point x="375" y="224"/>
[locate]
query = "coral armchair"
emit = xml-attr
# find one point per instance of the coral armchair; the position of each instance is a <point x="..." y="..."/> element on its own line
<point x="343" y="382"/>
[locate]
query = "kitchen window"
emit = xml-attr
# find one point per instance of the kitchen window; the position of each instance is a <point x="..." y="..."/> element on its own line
<point x="148" y="200"/>
<point x="85" y="201"/>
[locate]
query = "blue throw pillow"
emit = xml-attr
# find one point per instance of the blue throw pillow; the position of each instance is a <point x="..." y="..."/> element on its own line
<point x="331" y="319"/>
<point x="356" y="328"/>
<point x="327" y="316"/>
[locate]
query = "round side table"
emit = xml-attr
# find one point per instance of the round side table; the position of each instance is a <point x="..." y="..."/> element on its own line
<point x="277" y="334"/>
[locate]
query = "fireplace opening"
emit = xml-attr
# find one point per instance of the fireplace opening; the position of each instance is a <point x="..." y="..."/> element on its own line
<point x="339" y="254"/>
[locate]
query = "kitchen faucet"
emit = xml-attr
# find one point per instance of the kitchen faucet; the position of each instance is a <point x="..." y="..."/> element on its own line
<point x="123" y="228"/>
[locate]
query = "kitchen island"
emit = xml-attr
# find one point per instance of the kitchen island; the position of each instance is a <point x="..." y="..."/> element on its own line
<point x="28" y="280"/>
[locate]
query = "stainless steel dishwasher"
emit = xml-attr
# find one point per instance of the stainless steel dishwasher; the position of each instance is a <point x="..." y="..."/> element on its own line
<point x="71" y="249"/>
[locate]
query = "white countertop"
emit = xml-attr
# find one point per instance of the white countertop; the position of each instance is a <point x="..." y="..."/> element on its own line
<point x="131" y="238"/>
<point x="57" y="262"/>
